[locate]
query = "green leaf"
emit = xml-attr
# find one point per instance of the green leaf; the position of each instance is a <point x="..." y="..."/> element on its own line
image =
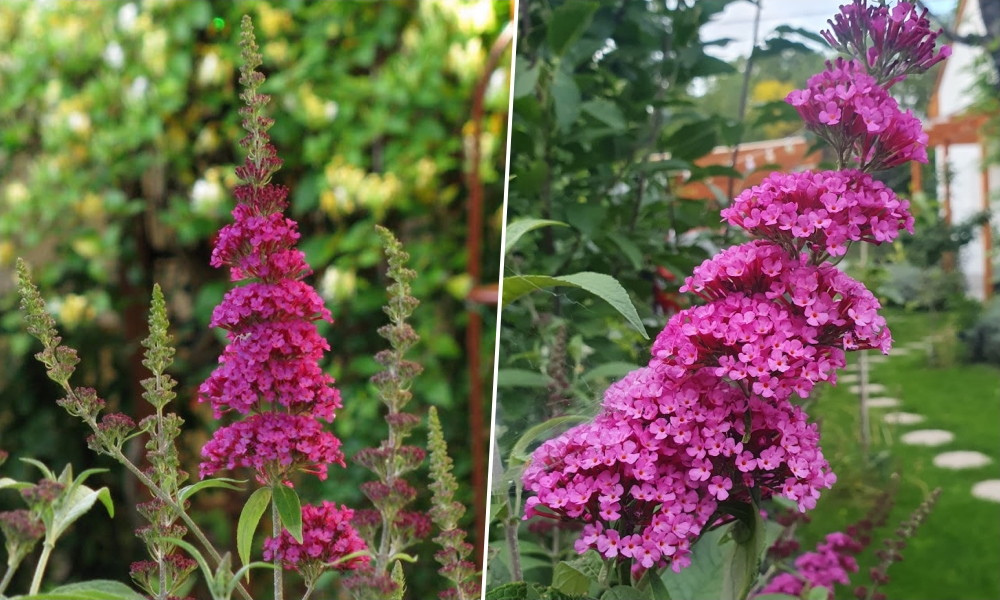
<point x="286" y="500"/>
<point x="521" y="378"/>
<point x="606" y="112"/>
<point x="627" y="247"/>
<point x="216" y="482"/>
<point x="657" y="590"/>
<point x="609" y="370"/>
<point x="750" y="536"/>
<point x="245" y="570"/>
<point x="565" y="99"/>
<point x="525" y="77"/>
<point x="667" y="164"/>
<point x="253" y="510"/>
<point x="568" y="23"/>
<point x="542" y="429"/>
<point x="622" y="592"/>
<point x="7" y="482"/>
<point x="516" y="229"/>
<point x="509" y="591"/>
<point x="810" y="35"/>
<point x="45" y="470"/>
<point x="819" y="593"/>
<point x="75" y="504"/>
<point x="207" y="574"/>
<point x="603" y="286"/>
<point x="703" y="578"/>
<point x="98" y="589"/>
<point x="693" y="140"/>
<point x="568" y="579"/>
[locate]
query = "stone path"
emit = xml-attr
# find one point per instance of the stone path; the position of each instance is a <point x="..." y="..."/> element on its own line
<point x="902" y="418"/>
<point x="988" y="490"/>
<point x="883" y="402"/>
<point x="873" y="388"/>
<point x="927" y="437"/>
<point x="961" y="459"/>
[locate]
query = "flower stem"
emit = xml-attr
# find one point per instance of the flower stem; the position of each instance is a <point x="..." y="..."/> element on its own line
<point x="43" y="561"/>
<point x="309" y="591"/>
<point x="276" y="531"/>
<point x="7" y="576"/>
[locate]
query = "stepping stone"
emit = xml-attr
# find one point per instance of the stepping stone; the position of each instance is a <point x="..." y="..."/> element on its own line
<point x="873" y="388"/>
<point x="851" y="368"/>
<point x="902" y="418"/>
<point x="927" y="437"/>
<point x="901" y="351"/>
<point x="847" y="378"/>
<point x="883" y="402"/>
<point x="987" y="490"/>
<point x="877" y="357"/>
<point x="961" y="459"/>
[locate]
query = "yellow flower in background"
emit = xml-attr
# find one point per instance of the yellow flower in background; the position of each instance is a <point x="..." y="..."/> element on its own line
<point x="472" y="17"/>
<point x="90" y="207"/>
<point x="466" y="60"/>
<point x="277" y="52"/>
<point x="351" y="188"/>
<point x="771" y="90"/>
<point x="15" y="193"/>
<point x="212" y="70"/>
<point x="154" y="51"/>
<point x="338" y="285"/>
<point x="6" y="252"/>
<point x="317" y="110"/>
<point x="207" y="193"/>
<point x="273" y="21"/>
<point x="208" y="140"/>
<point x="74" y="310"/>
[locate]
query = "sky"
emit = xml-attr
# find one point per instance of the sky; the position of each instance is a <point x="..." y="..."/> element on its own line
<point x="737" y="20"/>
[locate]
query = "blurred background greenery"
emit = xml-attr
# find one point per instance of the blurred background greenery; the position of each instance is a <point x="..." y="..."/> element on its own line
<point x="118" y="138"/>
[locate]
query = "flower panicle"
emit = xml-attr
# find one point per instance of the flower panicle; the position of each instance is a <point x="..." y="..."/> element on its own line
<point x="446" y="513"/>
<point x="891" y="43"/>
<point x="389" y="529"/>
<point x="60" y="361"/>
<point x="269" y="372"/>
<point x="892" y="547"/>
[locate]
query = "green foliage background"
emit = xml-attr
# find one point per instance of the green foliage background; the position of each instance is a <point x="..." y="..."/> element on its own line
<point x="118" y="138"/>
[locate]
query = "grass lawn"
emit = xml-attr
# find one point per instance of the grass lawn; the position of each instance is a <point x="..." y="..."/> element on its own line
<point x="956" y="552"/>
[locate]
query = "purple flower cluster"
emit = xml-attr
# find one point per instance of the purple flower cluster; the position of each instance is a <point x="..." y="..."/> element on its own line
<point x="327" y="540"/>
<point x="892" y="43"/>
<point x="850" y="110"/>
<point x="269" y="371"/>
<point x="829" y="564"/>
<point x="822" y="212"/>
<point x="709" y="423"/>
<point x="648" y="474"/>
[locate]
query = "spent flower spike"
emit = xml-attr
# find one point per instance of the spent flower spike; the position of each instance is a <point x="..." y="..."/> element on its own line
<point x="710" y="422"/>
<point x="269" y="372"/>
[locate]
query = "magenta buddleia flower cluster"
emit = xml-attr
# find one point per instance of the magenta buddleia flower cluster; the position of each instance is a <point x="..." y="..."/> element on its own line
<point x="268" y="373"/>
<point x="710" y="422"/>
<point x="328" y="541"/>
